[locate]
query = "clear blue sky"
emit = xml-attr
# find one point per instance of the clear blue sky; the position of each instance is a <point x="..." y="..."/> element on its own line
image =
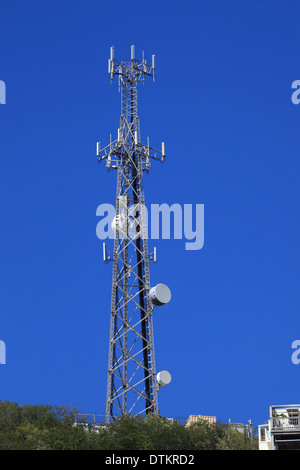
<point x="222" y="103"/>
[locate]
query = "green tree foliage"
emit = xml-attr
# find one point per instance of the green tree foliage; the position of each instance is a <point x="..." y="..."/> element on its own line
<point x="47" y="427"/>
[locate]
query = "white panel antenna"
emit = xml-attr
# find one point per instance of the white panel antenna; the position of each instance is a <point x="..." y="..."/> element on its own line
<point x="98" y="149"/>
<point x="106" y="254"/>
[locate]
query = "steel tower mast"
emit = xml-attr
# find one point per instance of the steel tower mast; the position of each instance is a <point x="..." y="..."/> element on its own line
<point x="132" y="383"/>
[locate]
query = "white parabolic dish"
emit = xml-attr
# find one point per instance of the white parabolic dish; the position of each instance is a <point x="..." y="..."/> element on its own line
<point x="163" y="378"/>
<point x="122" y="229"/>
<point x="160" y="294"/>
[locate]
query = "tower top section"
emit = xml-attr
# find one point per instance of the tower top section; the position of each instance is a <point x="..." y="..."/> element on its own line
<point x="130" y="72"/>
<point x="127" y="149"/>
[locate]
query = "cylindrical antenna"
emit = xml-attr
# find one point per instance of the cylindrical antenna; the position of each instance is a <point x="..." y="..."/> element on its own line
<point x="104" y="252"/>
<point x="147" y="157"/>
<point x="112" y="52"/>
<point x="98" y="149"/>
<point x="163" y="150"/>
<point x="132" y="53"/>
<point x="111" y="63"/>
<point x="144" y="63"/>
<point x="153" y="61"/>
<point x="153" y="66"/>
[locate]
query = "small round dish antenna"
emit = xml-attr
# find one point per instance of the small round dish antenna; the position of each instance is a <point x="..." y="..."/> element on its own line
<point x="125" y="224"/>
<point x="163" y="378"/>
<point x="160" y="294"/>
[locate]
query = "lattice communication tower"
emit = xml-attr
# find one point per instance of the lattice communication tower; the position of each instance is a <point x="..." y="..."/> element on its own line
<point x="132" y="381"/>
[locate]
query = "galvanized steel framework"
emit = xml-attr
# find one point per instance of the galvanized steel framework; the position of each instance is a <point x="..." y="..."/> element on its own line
<point x="131" y="383"/>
